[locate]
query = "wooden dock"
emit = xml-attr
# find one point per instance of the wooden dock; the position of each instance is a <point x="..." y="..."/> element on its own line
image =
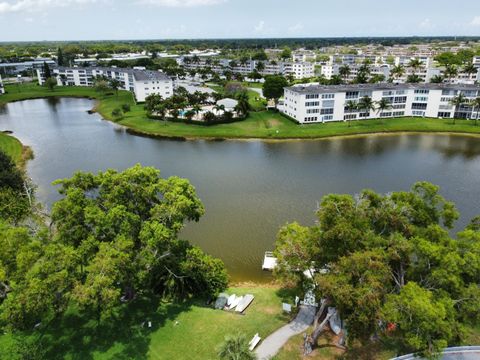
<point x="269" y="261"/>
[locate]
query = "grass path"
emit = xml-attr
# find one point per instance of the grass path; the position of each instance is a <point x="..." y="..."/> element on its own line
<point x="11" y="146"/>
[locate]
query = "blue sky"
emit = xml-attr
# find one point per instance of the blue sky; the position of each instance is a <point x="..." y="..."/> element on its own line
<point x="167" y="19"/>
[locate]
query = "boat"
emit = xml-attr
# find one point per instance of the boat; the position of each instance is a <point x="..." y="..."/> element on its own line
<point x="235" y="302"/>
<point x="243" y="304"/>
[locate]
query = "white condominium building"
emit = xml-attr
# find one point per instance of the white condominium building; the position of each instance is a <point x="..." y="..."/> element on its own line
<point x="140" y="82"/>
<point x="2" y="89"/>
<point x="317" y="103"/>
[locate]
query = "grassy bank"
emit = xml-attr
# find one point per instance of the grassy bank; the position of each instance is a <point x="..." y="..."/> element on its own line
<point x="188" y="330"/>
<point x="12" y="147"/>
<point x="261" y="124"/>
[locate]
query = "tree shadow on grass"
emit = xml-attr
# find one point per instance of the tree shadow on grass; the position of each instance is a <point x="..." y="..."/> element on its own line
<point x="78" y="336"/>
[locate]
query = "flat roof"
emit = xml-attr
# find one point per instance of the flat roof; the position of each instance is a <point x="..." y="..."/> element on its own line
<point x="310" y="89"/>
<point x="140" y="75"/>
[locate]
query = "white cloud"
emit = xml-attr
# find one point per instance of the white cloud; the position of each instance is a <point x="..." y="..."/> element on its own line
<point x="475" y="21"/>
<point x="295" y="29"/>
<point x="260" y="27"/>
<point x="426" y="24"/>
<point x="37" y="5"/>
<point x="182" y="3"/>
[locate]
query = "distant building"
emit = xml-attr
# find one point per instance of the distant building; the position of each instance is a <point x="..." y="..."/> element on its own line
<point x="17" y="68"/>
<point x="316" y="103"/>
<point x="140" y="82"/>
<point x="2" y="89"/>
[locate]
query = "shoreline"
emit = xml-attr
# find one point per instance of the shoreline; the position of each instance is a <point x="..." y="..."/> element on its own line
<point x="102" y="106"/>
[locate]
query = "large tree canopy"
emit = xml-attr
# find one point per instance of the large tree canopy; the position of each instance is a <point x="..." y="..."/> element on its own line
<point x="114" y="235"/>
<point x="389" y="259"/>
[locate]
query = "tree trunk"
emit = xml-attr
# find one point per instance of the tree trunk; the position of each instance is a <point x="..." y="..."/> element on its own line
<point x="320" y="312"/>
<point x="318" y="330"/>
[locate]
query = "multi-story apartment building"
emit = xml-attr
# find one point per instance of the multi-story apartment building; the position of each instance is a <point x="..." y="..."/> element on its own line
<point x="2" y="89"/>
<point x="302" y="55"/>
<point x="299" y="70"/>
<point x="141" y="82"/>
<point x="315" y="103"/>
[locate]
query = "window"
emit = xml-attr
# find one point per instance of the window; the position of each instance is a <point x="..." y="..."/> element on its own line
<point x="398" y="113"/>
<point x="328" y="103"/>
<point x="398" y="106"/>
<point x="312" y="96"/>
<point x="422" y="91"/>
<point x="400" y="92"/>
<point x="364" y="115"/>
<point x="388" y="93"/>
<point x="310" y="119"/>
<point x="326" y="111"/>
<point x="443" y="114"/>
<point x="349" y="116"/>
<point x="400" y="99"/>
<point x="418" y="113"/>
<point x="312" y="103"/>
<point x="327" y="117"/>
<point x="445" y="107"/>
<point x="445" y="99"/>
<point x="328" y="96"/>
<point x="385" y="114"/>
<point x="421" y="98"/>
<point x="419" y="106"/>
<point x="313" y="111"/>
<point x="352" y="94"/>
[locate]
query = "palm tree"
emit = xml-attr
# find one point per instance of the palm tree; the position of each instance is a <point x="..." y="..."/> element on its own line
<point x="260" y="66"/>
<point x="344" y="71"/>
<point x="115" y="85"/>
<point x="469" y="69"/>
<point x="383" y="105"/>
<point x="475" y="103"/>
<point x="450" y="71"/>
<point x="366" y="104"/>
<point x="457" y="102"/>
<point x="217" y="108"/>
<point x="397" y="72"/>
<point x="196" y="109"/>
<point x="243" y="105"/>
<point x="436" y="79"/>
<point x="350" y="106"/>
<point x="415" y="64"/>
<point x="235" y="347"/>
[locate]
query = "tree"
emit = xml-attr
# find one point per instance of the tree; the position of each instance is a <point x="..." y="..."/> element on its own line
<point x="344" y="71"/>
<point x="450" y="72"/>
<point x="475" y="104"/>
<point x="50" y="83"/>
<point x="436" y="79"/>
<point x="388" y="260"/>
<point x="235" y="347"/>
<point x="470" y="69"/>
<point x="101" y="85"/>
<point x="397" y="72"/>
<point x="60" y="58"/>
<point x="46" y="71"/>
<point x="366" y="104"/>
<point x="243" y="105"/>
<point x="286" y="53"/>
<point x="117" y="113"/>
<point x="260" y="66"/>
<point x="383" y="105"/>
<point x="414" y="79"/>
<point x="273" y="87"/>
<point x="457" y="101"/>
<point x="415" y="64"/>
<point x="115" y="84"/>
<point x="423" y="320"/>
<point x="350" y="106"/>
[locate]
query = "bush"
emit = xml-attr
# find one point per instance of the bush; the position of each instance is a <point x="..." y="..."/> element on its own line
<point x="126" y="108"/>
<point x="117" y="113"/>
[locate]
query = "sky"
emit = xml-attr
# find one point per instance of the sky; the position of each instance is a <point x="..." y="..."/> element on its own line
<point x="32" y="20"/>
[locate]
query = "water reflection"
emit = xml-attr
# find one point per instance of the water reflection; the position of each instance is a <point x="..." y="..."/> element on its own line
<point x="249" y="188"/>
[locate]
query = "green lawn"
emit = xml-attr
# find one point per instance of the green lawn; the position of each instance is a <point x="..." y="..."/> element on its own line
<point x="11" y="146"/>
<point x="187" y="330"/>
<point x="260" y="124"/>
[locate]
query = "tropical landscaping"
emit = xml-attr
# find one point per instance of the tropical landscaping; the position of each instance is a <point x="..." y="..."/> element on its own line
<point x="265" y="124"/>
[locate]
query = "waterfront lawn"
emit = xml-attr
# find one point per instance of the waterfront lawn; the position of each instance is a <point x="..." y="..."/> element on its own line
<point x="188" y="330"/>
<point x="260" y="124"/>
<point x="11" y="146"/>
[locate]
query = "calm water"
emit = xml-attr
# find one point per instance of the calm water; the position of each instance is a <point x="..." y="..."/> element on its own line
<point x="249" y="188"/>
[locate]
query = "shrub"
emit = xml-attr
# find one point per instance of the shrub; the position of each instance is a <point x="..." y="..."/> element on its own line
<point x="126" y="108"/>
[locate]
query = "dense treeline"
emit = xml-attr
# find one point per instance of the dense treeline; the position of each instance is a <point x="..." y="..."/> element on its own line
<point x="17" y="50"/>
<point x="389" y="266"/>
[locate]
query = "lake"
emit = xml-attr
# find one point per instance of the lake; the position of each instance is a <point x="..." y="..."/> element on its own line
<point x="249" y="188"/>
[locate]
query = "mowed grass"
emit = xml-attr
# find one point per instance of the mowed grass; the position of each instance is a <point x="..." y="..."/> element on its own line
<point x="189" y="330"/>
<point x="259" y="124"/>
<point x="11" y="146"/>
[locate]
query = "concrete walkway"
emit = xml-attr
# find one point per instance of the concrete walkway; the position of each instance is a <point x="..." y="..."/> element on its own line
<point x="273" y="343"/>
